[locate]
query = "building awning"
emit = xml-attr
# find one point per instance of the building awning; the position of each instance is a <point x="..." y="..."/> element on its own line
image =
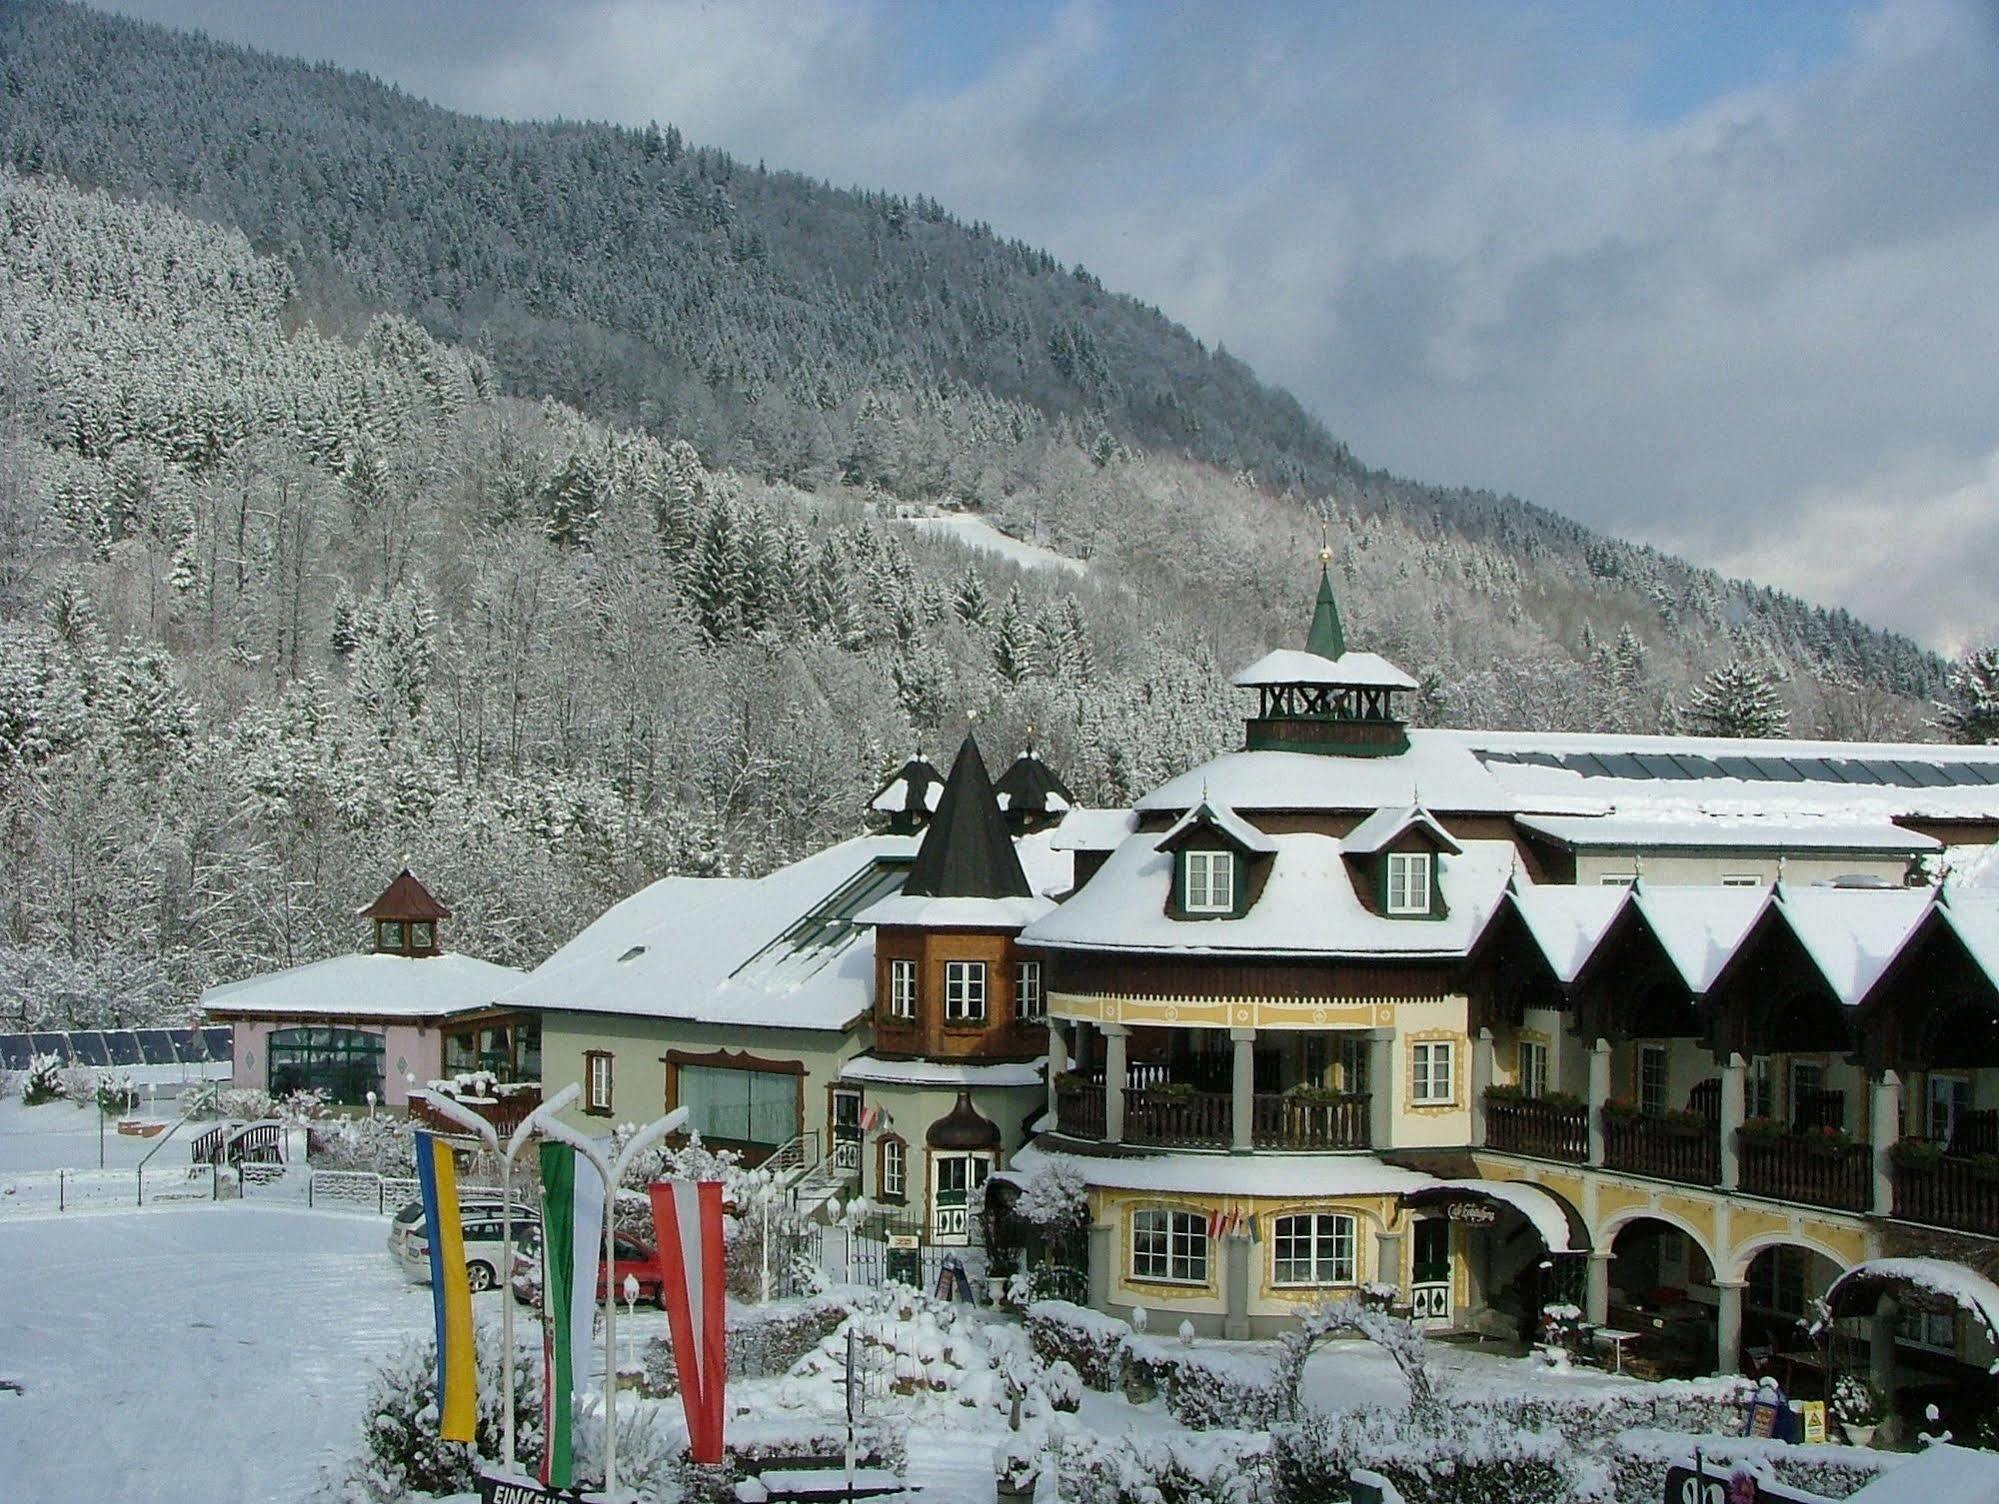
<point x="1483" y="1202"/>
<point x="1932" y="1285"/>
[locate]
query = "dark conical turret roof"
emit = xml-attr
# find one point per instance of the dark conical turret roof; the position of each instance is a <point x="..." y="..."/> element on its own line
<point x="966" y="852"/>
<point x="406" y="898"/>
<point x="963" y="1128"/>
<point x="1027" y="786"/>
<point x="908" y="797"/>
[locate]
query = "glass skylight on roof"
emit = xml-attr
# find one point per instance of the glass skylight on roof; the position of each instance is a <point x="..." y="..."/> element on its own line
<point x="1927" y="775"/>
<point x="1585" y="764"/>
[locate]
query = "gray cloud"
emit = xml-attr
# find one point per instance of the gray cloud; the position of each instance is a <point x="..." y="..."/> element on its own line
<point x="1737" y="334"/>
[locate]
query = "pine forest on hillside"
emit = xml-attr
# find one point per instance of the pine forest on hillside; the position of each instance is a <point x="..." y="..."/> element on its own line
<point x="347" y="550"/>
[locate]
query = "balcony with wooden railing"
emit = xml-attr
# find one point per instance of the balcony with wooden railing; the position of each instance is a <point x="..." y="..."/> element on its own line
<point x="506" y="1108"/>
<point x="1178" y="1118"/>
<point x="1667" y="1146"/>
<point x="1539" y="1127"/>
<point x="1815" y="1169"/>
<point x="1079" y="1109"/>
<point x="1316" y="1120"/>
<point x="1945" y="1188"/>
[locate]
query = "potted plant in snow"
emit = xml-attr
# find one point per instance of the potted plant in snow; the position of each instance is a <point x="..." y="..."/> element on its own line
<point x="1859" y="1408"/>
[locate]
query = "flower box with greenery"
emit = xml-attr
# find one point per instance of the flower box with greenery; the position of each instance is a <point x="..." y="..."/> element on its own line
<point x="1506" y="1091"/>
<point x="1765" y="1130"/>
<point x="1916" y="1153"/>
<point x="1175" y="1089"/>
<point x="1313" y="1096"/>
<point x="1069" y="1080"/>
<point x="1678" y="1118"/>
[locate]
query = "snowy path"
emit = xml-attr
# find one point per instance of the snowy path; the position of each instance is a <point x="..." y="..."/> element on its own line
<point x="219" y="1352"/>
<point x="950" y="1467"/>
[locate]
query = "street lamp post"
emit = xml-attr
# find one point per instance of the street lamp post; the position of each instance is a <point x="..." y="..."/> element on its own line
<point x="490" y="1136"/>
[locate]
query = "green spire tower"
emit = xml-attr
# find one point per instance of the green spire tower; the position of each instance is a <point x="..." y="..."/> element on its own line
<point x="1326" y="637"/>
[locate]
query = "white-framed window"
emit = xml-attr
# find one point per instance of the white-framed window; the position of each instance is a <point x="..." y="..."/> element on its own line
<point x="1652" y="1079"/>
<point x="1617" y="879"/>
<point x="1028" y="1001"/>
<point x="596" y="1081"/>
<point x="1532" y="1069"/>
<point x="1432" y="1075"/>
<point x="901" y="989"/>
<point x="1312" y="1248"/>
<point x="1408" y="882"/>
<point x="1947" y="1099"/>
<point x="956" y="1182"/>
<point x="964" y="992"/>
<point x="1761" y="1088"/>
<point x="1741" y="880"/>
<point x="1170" y="1246"/>
<point x="894" y="1169"/>
<point x="1210" y="882"/>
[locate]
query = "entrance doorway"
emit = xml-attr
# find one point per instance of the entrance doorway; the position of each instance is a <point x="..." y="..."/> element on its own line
<point x="1430" y="1272"/>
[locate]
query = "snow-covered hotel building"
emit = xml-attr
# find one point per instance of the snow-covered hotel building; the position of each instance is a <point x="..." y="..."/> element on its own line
<point x="1689" y="1028"/>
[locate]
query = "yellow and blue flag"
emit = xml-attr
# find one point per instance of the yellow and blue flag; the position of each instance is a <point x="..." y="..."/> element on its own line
<point x="450" y="1295"/>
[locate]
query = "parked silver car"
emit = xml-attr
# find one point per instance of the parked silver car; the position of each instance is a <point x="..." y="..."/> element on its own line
<point x="480" y="1223"/>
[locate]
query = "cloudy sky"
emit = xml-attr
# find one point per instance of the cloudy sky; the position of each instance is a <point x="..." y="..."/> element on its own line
<point x="1717" y="276"/>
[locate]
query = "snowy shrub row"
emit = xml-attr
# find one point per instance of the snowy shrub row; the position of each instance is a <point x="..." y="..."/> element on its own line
<point x="1203" y="1389"/>
<point x="253" y="1105"/>
<point x="1218" y="1467"/>
<point x="764" y="1341"/>
<point x="1638" y="1459"/>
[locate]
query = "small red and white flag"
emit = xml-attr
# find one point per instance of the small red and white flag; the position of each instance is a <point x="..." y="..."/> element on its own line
<point x="871" y="1119"/>
<point x="687" y="1221"/>
<point x="1221" y="1223"/>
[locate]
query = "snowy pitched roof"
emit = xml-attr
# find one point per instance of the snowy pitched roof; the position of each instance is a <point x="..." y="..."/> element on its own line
<point x="967" y="852"/>
<point x="1093" y="829"/>
<point x="1567" y="922"/>
<point x="917" y="911"/>
<point x="1852" y="934"/>
<point x="1975" y="921"/>
<point x="1441" y="775"/>
<point x="1030" y="786"/>
<point x="784" y="951"/>
<point x="1308" y="906"/>
<point x="1384" y="825"/>
<point x="1693" y="827"/>
<point x="915" y="789"/>
<point x="406" y="898"/>
<point x="368" y="986"/>
<point x="948" y="1073"/>
<point x="1699" y="927"/>
<point x="1225" y="822"/>
<point x="1349" y="670"/>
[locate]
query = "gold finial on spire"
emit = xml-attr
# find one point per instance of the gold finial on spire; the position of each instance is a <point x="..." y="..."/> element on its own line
<point x="1325" y="545"/>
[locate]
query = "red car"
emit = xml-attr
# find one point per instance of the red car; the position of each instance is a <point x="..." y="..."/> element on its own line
<point x="635" y="1259"/>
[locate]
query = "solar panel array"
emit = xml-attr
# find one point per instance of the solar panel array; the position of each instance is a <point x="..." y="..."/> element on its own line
<point x="111" y="1048"/>
<point x="1903" y="773"/>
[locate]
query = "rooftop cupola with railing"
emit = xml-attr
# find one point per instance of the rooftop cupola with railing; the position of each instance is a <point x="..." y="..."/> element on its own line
<point x="1326" y="698"/>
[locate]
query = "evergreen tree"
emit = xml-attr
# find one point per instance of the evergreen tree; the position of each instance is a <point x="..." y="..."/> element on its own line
<point x="970" y="600"/>
<point x="1971" y="711"/>
<point x="572" y="502"/>
<point x="1737" y="699"/>
<point x="1013" y="640"/>
<point x="714" y="587"/>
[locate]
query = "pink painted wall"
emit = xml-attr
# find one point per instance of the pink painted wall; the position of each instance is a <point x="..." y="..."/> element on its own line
<point x="421" y="1051"/>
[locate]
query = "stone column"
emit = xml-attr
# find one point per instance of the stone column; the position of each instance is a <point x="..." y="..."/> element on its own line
<point x="1885" y="1130"/>
<point x="1596" y="1291"/>
<point x="1114" y="1040"/>
<point x="1481" y="1078"/>
<point x="1103" y="1249"/>
<point x="1728" y="1325"/>
<point x="1881" y="1360"/>
<point x="1734" y="1107"/>
<point x="1599" y="1093"/>
<point x="1381" y="1088"/>
<point x="1058" y="1054"/>
<point x="1388" y="1260"/>
<point x="1242" y="1090"/>
<point x="1237" y="1251"/>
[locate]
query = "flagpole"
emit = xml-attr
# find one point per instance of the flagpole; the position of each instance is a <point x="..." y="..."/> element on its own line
<point x="466" y="1118"/>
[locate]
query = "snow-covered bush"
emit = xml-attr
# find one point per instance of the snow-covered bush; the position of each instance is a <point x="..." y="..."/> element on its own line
<point x="1217" y="1468"/>
<point x="380" y="1145"/>
<point x="764" y="1341"/>
<point x="116" y="1095"/>
<point x="1636" y="1460"/>
<point x="44" y="1081"/>
<point x="1855" y="1402"/>
<point x="1089" y="1341"/>
<point x="1207" y="1389"/>
<point x="401" y="1454"/>
<point x="79" y="1084"/>
<point x="1400" y="1338"/>
<point x="1309" y="1462"/>
<point x="11" y="1083"/>
<point x="253" y="1105"/>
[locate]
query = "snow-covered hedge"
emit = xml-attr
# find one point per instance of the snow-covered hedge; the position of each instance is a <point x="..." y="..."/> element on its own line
<point x="1203" y="1388"/>
<point x="1638" y="1459"/>
<point x="764" y="1341"/>
<point x="1218" y="1467"/>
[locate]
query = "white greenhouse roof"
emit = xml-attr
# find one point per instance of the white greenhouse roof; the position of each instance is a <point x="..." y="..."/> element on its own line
<point x="1308" y="907"/>
<point x="1295" y="666"/>
<point x="368" y="986"/>
<point x="1694" y="828"/>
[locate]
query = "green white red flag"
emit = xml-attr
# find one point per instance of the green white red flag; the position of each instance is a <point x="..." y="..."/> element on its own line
<point x="572" y="1236"/>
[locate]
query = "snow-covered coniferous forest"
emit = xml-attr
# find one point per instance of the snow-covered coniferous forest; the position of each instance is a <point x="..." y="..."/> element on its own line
<point x="295" y="590"/>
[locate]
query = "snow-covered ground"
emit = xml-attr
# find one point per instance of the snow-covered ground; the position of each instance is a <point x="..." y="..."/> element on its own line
<point x="976" y="532"/>
<point x="213" y="1352"/>
<point x="64" y="1136"/>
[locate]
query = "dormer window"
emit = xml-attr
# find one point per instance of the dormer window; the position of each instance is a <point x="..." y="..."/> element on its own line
<point x="423" y="935"/>
<point x="1409" y="882"/>
<point x="389" y="936"/>
<point x="1209" y="882"/>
